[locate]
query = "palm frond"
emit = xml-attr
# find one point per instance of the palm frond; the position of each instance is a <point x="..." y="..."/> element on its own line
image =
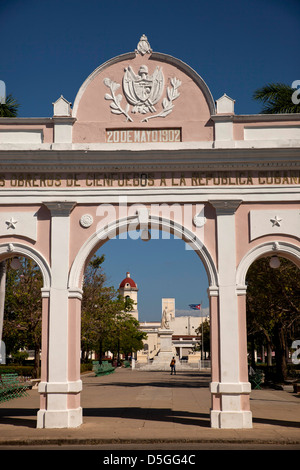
<point x="276" y="99"/>
<point x="9" y="108"/>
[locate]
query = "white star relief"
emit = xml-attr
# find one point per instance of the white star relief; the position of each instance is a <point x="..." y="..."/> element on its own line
<point x="11" y="223"/>
<point x="276" y="221"/>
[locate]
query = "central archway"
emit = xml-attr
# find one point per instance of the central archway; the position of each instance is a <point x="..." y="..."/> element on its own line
<point x="109" y="231"/>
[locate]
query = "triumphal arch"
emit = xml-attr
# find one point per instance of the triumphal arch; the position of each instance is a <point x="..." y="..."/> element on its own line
<point x="145" y="145"/>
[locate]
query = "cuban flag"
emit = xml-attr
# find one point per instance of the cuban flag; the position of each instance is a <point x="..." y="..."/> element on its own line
<point x="195" y="306"/>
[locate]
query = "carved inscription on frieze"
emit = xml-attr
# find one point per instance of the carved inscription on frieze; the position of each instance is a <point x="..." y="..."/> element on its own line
<point x="109" y="179"/>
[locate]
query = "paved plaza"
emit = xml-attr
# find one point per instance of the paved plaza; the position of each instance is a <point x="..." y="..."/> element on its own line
<point x="135" y="407"/>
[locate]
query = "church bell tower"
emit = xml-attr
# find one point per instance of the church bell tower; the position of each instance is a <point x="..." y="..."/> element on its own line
<point x="128" y="288"/>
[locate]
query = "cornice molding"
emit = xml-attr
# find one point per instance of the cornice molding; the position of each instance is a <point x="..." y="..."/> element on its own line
<point x="64" y="120"/>
<point x="25" y="120"/>
<point x="156" y="195"/>
<point x="234" y="117"/>
<point x="266" y="117"/>
<point x="84" y="167"/>
<point x="178" y="159"/>
<point x="222" y="117"/>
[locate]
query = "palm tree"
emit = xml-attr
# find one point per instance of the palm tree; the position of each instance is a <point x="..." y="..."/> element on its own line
<point x="277" y="98"/>
<point x="9" y="108"/>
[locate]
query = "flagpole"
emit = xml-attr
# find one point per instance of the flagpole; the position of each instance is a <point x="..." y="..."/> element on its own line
<point x="202" y="340"/>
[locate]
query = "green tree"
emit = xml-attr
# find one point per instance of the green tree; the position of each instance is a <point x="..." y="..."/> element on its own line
<point x="10" y="107"/>
<point x="276" y="98"/>
<point x="126" y="337"/>
<point x="205" y="328"/>
<point x="273" y="307"/>
<point x="132" y="337"/>
<point x="23" y="309"/>
<point x="98" y="308"/>
<point x="106" y="321"/>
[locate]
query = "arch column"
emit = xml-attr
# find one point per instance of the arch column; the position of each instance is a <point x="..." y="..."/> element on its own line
<point x="58" y="387"/>
<point x="229" y="387"/>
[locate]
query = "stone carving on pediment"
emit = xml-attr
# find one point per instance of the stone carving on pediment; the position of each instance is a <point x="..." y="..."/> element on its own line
<point x="143" y="46"/>
<point x="142" y="90"/>
<point x="116" y="99"/>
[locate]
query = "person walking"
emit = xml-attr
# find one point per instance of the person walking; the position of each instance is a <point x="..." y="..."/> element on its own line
<point x="172" y="365"/>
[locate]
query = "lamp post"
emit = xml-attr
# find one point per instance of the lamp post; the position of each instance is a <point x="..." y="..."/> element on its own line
<point x="274" y="262"/>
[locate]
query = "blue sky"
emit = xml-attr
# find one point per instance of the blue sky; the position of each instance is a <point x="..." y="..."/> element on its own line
<point x="49" y="47"/>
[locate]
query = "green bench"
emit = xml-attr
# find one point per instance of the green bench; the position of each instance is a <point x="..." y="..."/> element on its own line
<point x="95" y="365"/>
<point x="256" y="380"/>
<point x="10" y="387"/>
<point x="126" y="364"/>
<point x="103" y="369"/>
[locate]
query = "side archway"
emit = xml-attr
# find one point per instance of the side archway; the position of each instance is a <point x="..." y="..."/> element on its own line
<point x="279" y="248"/>
<point x="8" y="250"/>
<point x="283" y="249"/>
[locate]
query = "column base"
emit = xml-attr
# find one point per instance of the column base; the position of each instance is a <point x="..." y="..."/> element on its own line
<point x="59" y="418"/>
<point x="231" y="419"/>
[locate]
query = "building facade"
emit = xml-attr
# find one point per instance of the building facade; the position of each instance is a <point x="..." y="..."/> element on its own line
<point x="184" y="328"/>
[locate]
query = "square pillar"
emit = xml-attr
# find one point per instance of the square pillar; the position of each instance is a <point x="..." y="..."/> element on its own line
<point x="57" y="387"/>
<point x="230" y="389"/>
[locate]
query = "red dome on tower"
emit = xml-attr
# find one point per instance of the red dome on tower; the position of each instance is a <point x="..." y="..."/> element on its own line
<point x="128" y="282"/>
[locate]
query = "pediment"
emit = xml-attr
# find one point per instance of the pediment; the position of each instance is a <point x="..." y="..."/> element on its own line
<point x="143" y="90"/>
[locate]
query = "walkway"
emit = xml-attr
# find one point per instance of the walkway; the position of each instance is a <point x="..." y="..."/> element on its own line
<point x="135" y="406"/>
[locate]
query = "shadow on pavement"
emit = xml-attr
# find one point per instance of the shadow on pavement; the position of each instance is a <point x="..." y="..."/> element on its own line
<point x="17" y="417"/>
<point x="179" y="380"/>
<point x="277" y="422"/>
<point x="150" y="414"/>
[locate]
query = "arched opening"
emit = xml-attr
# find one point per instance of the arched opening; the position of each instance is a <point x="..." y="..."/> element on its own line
<point x="99" y="241"/>
<point x="273" y="299"/>
<point x="25" y="283"/>
<point x="268" y="288"/>
<point x="163" y="269"/>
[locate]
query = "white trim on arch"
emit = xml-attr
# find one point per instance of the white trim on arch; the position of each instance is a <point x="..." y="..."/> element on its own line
<point x="280" y="248"/>
<point x="16" y="248"/>
<point x="121" y="225"/>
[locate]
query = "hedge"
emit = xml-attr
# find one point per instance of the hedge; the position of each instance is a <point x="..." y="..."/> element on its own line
<point x="26" y="371"/>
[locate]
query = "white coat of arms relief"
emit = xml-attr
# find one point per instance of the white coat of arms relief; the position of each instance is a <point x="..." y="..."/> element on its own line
<point x="142" y="90"/>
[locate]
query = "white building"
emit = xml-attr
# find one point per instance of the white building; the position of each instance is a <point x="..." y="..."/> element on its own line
<point x="184" y="336"/>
